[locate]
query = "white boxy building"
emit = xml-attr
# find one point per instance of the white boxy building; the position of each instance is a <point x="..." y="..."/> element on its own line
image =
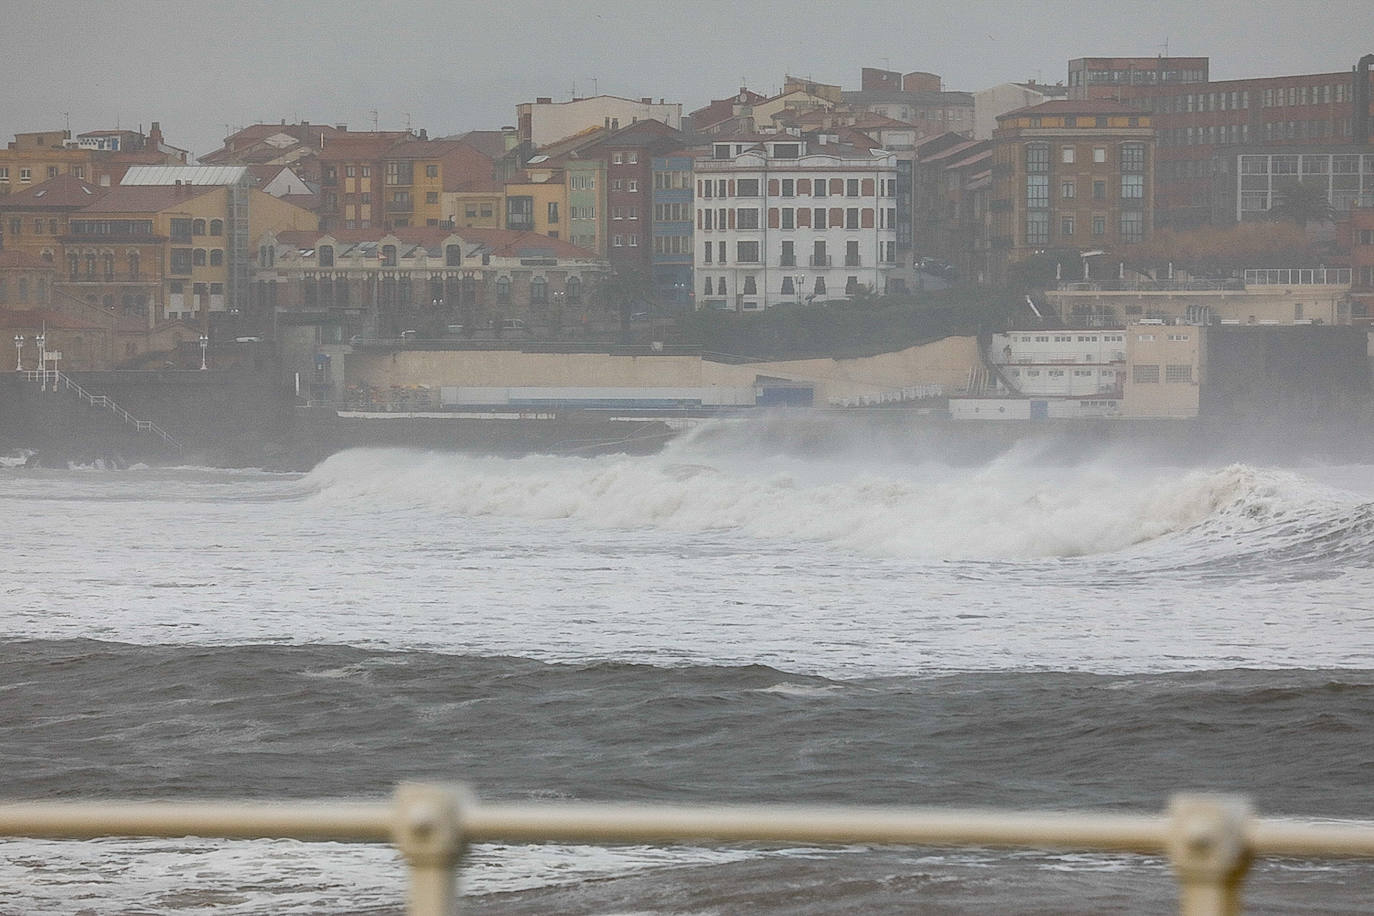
<point x="786" y="219"/>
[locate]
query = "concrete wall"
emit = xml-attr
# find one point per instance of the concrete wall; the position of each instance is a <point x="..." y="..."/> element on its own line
<point x="1264" y="304"/>
<point x="945" y="362"/>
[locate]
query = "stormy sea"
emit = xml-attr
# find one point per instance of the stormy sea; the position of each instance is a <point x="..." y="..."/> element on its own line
<point x="750" y="615"/>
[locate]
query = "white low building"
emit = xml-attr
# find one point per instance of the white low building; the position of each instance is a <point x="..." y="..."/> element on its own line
<point x="1062" y="363"/>
<point x="784" y="219"/>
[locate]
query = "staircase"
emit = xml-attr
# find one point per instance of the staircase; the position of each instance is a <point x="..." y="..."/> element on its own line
<point x="61" y="381"/>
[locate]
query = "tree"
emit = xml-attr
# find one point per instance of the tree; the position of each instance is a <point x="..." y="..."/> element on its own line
<point x="1302" y="203"/>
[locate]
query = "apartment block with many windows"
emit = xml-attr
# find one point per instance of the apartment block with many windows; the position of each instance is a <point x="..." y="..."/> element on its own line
<point x="785" y="219"/>
<point x="1070" y="174"/>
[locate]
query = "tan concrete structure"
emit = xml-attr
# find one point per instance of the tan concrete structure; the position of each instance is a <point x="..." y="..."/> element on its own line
<point x="1279" y="297"/>
<point x="945" y="362"/>
<point x="1164" y="370"/>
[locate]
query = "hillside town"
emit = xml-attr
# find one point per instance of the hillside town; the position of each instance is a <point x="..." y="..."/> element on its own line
<point x="1136" y="240"/>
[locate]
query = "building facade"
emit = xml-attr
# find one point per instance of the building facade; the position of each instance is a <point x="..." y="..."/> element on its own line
<point x="1070" y="174"/>
<point x="545" y="121"/>
<point x="1112" y="77"/>
<point x="432" y="281"/>
<point x="782" y="219"/>
<point x="672" y="228"/>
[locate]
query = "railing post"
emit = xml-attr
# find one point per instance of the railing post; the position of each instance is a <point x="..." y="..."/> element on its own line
<point x="428" y="831"/>
<point x="1208" y="849"/>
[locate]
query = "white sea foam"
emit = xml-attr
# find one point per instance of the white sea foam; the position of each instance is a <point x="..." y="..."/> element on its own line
<point x="1004" y="510"/>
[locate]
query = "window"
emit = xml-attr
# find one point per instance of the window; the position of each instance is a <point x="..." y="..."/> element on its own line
<point x="747" y="218"/>
<point x="617" y="241"/>
<point x="133" y="265"/>
<point x="217" y="227"/>
<point x="181" y="230"/>
<point x="539" y="291"/>
<point x="786" y="150"/>
<point x="1132" y="187"/>
<point x="52" y="171"/>
<point x="789" y="255"/>
<point x="1037" y="157"/>
<point x="1066" y="154"/>
<point x="851" y="187"/>
<point x="108" y="263"/>
<point x="851" y="254"/>
<point x="1099" y="190"/>
<point x="1099" y="154"/>
<point x="180" y="262"/>
<point x="1132" y="226"/>
<point x="1037" y="191"/>
<point x="633" y="239"/>
<point x="1068" y="189"/>
<point x="751" y="287"/>
<point x="819" y="288"/>
<point x="788" y="187"/>
<point x="787" y="288"/>
<point x="720" y="253"/>
<point x="1066" y="226"/>
<point x="326" y="255"/>
<point x="617" y="158"/>
<point x="431" y="197"/>
<point x="747" y="252"/>
<point x="216" y="257"/>
<point x="388" y="255"/>
<point x="553" y="211"/>
<point x="1099" y="226"/>
<point x="747" y="187"/>
<point x="198" y="259"/>
<point x="706" y="258"/>
<point x="1145" y="375"/>
<point x="1133" y="157"/>
<point x="789" y="218"/>
<point x="431" y="171"/>
<point x="573" y="290"/>
<point x="198" y="227"/>
<point x="851" y="218"/>
<point x="26" y="175"/>
<point x="818" y="218"/>
<point x="1037" y="228"/>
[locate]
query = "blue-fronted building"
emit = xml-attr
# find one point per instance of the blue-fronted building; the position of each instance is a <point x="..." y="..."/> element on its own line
<point x="672" y="230"/>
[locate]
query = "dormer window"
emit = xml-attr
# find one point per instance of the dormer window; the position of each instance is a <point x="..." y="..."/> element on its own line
<point x="786" y="150"/>
<point x="326" y="255"/>
<point x="720" y="151"/>
<point x="453" y="256"/>
<point x="388" y="255"/>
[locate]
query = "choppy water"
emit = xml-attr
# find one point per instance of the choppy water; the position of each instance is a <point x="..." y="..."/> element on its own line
<point x="743" y="617"/>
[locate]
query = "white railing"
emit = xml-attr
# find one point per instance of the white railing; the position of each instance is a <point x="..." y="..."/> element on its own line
<point x="1283" y="276"/>
<point x="1210" y="840"/>
<point x="57" y="377"/>
<point x="891" y="396"/>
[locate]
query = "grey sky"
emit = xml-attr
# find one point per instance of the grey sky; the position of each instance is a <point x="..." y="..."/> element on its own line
<point x="203" y="67"/>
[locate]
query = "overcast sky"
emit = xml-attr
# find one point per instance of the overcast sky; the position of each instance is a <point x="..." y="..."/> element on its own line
<point x="207" y="68"/>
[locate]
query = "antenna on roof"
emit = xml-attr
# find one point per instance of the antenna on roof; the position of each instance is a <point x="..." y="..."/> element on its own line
<point x="373" y="112"/>
<point x="595" y="91"/>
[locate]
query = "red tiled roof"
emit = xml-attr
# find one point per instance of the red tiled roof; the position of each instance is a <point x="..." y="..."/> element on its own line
<point x="487" y="142"/>
<point x="64" y="191"/>
<point x="146" y="198"/>
<point x="977" y="157"/>
<point x="958" y="149"/>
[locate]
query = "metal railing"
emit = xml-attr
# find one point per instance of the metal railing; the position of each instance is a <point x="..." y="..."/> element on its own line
<point x="57" y="377"/>
<point x="1320" y="276"/>
<point x="1209" y="840"/>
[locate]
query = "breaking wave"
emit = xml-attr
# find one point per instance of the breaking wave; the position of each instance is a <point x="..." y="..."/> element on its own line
<point x="1007" y="509"/>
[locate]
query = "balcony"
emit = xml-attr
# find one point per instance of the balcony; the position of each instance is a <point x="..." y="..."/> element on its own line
<point x="852" y="260"/>
<point x="820" y="260"/>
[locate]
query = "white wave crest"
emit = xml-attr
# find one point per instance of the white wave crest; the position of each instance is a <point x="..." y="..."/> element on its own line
<point x="1002" y="510"/>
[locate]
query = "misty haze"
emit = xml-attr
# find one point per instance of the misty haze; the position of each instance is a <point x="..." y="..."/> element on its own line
<point x="677" y="403"/>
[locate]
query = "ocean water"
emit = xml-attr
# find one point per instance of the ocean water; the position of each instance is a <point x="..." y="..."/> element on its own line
<point x="755" y="614"/>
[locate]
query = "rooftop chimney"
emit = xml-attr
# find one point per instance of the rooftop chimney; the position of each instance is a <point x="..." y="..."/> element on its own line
<point x="647" y="101"/>
<point x="543" y="100"/>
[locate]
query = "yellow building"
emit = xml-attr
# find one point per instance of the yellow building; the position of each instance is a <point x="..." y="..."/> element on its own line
<point x="1164" y="368"/>
<point x="100" y="157"/>
<point x="537" y="201"/>
<point x="420" y="177"/>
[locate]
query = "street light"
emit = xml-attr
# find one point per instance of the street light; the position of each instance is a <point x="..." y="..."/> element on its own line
<point x="18" y="352"/>
<point x="41" y="340"/>
<point x="204" y="343"/>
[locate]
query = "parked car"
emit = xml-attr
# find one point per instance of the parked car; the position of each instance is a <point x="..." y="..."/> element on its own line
<point x="513" y="326"/>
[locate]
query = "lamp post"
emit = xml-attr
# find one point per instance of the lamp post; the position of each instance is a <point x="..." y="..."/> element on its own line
<point x="41" y="340"/>
<point x="18" y="352"/>
<point x="204" y="343"/>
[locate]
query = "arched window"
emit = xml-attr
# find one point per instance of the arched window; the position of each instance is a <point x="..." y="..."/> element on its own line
<point x="52" y="227"/>
<point x="108" y="259"/>
<point x="573" y="289"/>
<point x="198" y="227"/>
<point x="198" y="258"/>
<point x="216" y="257"/>
<point x="73" y="265"/>
<point x="133" y="265"/>
<point x="388" y="255"/>
<point x="90" y="265"/>
<point x="326" y="255"/>
<point x="539" y="291"/>
<point x="47" y="255"/>
<point x="453" y="256"/>
<point x="503" y="290"/>
<point x="217" y="227"/>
